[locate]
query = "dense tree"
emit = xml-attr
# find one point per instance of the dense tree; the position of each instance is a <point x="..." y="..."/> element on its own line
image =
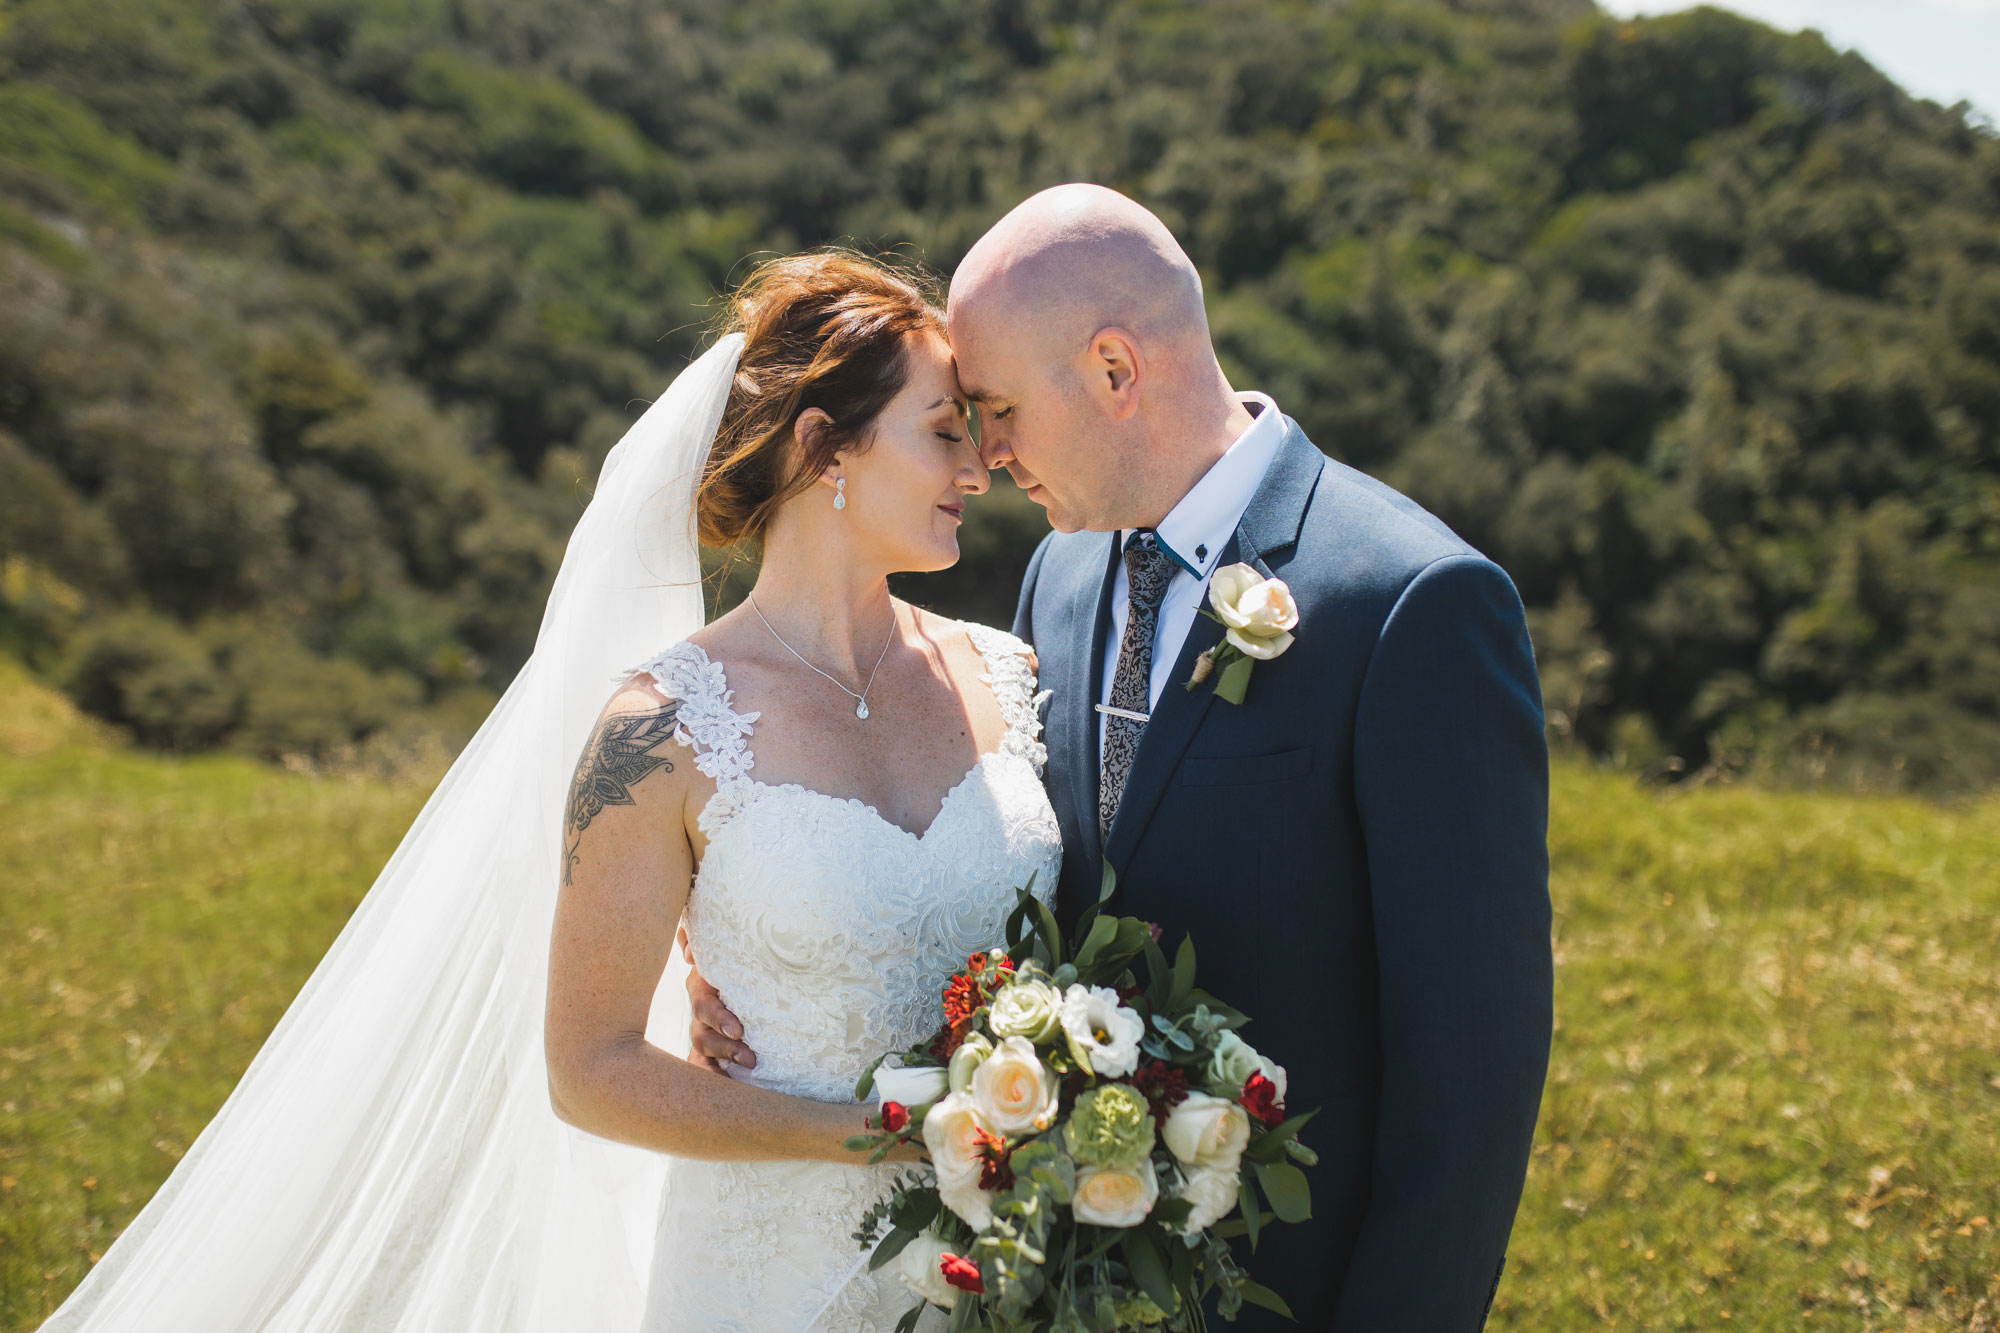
<point x="316" y="316"/>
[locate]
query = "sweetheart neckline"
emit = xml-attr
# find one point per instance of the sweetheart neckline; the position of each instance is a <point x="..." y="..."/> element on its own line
<point x="800" y="789"/>
<point x="944" y="802"/>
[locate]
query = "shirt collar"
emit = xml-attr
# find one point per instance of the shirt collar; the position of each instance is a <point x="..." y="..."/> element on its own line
<point x="1196" y="530"/>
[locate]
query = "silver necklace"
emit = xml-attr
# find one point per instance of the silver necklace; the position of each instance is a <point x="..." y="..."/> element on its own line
<point x="861" y="699"/>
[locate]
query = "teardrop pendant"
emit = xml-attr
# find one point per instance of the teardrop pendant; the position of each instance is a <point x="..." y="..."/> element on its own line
<point x="861" y="710"/>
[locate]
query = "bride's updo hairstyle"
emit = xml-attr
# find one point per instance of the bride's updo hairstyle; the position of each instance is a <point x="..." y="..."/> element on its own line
<point x="822" y="330"/>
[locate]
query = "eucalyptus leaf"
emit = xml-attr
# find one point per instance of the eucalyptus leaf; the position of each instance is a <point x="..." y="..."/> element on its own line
<point x="1285" y="1186"/>
<point x="892" y="1245"/>
<point x="1258" y="1294"/>
<point x="1149" y="1269"/>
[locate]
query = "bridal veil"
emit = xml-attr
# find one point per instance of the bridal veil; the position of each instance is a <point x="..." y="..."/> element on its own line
<point x="389" y="1161"/>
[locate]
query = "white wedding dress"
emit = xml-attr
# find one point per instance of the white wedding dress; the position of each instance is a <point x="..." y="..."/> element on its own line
<point x="830" y="933"/>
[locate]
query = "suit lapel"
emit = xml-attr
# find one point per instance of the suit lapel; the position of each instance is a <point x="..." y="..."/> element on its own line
<point x="1270" y="523"/>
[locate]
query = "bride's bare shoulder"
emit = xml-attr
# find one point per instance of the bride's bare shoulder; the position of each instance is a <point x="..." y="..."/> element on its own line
<point x="973" y="634"/>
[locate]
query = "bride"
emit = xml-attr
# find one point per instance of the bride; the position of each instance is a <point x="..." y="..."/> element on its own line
<point x="475" y="1114"/>
<point x="863" y="798"/>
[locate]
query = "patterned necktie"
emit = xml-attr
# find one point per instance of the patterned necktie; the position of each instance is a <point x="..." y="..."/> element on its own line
<point x="1148" y="571"/>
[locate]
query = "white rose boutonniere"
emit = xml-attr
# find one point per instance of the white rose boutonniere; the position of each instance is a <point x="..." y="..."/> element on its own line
<point x="1258" y="616"/>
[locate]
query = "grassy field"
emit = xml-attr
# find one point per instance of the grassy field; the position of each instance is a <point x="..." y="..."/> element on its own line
<point x="1774" y="1102"/>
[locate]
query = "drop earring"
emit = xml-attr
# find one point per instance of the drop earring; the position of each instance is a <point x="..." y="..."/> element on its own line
<point x="840" y="493"/>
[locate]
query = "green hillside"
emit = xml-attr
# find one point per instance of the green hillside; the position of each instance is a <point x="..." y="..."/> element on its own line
<point x="316" y="316"/>
<point x="1774" y="1101"/>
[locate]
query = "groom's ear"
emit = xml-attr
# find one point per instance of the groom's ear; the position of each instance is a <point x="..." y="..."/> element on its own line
<point x="1117" y="370"/>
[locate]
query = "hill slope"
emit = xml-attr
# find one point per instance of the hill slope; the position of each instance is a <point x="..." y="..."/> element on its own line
<point x="315" y="314"/>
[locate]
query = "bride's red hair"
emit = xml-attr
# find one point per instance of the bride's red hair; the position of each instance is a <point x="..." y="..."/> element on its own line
<point x="824" y="330"/>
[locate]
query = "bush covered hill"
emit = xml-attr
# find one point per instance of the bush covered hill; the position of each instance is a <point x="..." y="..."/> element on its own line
<point x="316" y="316"/>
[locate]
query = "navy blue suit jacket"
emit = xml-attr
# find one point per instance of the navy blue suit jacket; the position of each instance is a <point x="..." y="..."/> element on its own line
<point x="1360" y="851"/>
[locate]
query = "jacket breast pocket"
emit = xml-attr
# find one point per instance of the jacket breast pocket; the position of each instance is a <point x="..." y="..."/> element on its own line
<point x="1244" y="770"/>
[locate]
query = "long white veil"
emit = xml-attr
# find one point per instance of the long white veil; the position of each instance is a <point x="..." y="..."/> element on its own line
<point x="389" y="1162"/>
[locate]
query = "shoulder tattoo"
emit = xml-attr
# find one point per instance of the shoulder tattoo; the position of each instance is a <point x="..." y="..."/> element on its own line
<point x="622" y="752"/>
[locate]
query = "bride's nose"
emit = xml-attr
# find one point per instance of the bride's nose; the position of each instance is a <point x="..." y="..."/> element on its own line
<point x="973" y="477"/>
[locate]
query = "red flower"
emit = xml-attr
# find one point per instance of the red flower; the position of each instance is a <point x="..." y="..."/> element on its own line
<point x="995" y="1169"/>
<point x="894" y="1117"/>
<point x="961" y="1273"/>
<point x="962" y="998"/>
<point x="1260" y="1098"/>
<point x="1163" y="1085"/>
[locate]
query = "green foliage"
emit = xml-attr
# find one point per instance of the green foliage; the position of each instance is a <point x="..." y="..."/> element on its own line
<point x="1770" y="1093"/>
<point x="323" y="311"/>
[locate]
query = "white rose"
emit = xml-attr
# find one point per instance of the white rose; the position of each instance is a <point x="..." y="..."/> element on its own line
<point x="1213" y="1192"/>
<point x="1108" y="1196"/>
<point x="917" y="1265"/>
<point x="1259" y="614"/>
<point x="966" y="1059"/>
<point x="1013" y="1091"/>
<point x="917" y="1086"/>
<point x="963" y="1196"/>
<point x="1205" y="1131"/>
<point x="951" y="1133"/>
<point x="1101" y="1030"/>
<point x="1235" y="1060"/>
<point x="1025" y="1009"/>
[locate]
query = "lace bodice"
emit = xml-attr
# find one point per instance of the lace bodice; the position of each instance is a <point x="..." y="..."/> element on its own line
<point x="830" y="933"/>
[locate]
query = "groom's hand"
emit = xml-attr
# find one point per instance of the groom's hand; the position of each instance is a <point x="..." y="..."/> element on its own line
<point x="713" y="1035"/>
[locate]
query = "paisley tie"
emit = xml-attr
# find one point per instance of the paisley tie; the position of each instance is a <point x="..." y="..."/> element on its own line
<point x="1148" y="571"/>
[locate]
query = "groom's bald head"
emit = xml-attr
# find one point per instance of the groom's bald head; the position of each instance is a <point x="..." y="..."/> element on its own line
<point x="1075" y="259"/>
<point x="1078" y="327"/>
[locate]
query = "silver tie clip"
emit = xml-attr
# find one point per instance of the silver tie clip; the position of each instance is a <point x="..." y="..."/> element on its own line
<point x="1123" y="712"/>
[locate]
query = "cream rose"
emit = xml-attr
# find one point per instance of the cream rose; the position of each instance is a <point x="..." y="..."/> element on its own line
<point x="966" y="1059"/>
<point x="1204" y="1131"/>
<point x="1013" y="1091"/>
<point x="917" y="1086"/>
<point x="1212" y="1192"/>
<point x="1026" y="1009"/>
<point x="1109" y="1196"/>
<point x="1234" y="1061"/>
<point x="917" y="1265"/>
<point x="951" y="1133"/>
<point x="1258" y="614"/>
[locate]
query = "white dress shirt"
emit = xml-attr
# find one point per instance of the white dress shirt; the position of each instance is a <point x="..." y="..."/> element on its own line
<point x="1194" y="532"/>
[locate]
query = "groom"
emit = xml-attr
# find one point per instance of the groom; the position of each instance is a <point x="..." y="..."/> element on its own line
<point x="1359" y="846"/>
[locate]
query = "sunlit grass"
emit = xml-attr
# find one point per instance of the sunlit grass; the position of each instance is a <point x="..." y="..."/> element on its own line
<point x="1774" y="1102"/>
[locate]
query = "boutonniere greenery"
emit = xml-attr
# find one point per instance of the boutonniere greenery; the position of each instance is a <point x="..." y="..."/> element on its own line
<point x="1258" y="616"/>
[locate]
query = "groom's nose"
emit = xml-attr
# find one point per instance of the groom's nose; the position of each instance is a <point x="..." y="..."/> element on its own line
<point x="993" y="450"/>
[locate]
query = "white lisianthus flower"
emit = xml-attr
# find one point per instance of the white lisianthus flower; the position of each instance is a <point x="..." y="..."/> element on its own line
<point x="964" y="1197"/>
<point x="1205" y="1131"/>
<point x="1013" y="1091"/>
<point x="917" y="1265"/>
<point x="1109" y="1196"/>
<point x="1258" y="614"/>
<point x="1101" y="1030"/>
<point x="1234" y="1061"/>
<point x="1212" y="1192"/>
<point x="970" y="1054"/>
<point x="1026" y="1009"/>
<point x="917" y="1086"/>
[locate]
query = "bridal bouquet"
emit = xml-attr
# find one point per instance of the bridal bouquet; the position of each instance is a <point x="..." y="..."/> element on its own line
<point x="1089" y="1137"/>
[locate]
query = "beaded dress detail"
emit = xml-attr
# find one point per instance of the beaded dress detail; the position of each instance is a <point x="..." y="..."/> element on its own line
<point x="830" y="933"/>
